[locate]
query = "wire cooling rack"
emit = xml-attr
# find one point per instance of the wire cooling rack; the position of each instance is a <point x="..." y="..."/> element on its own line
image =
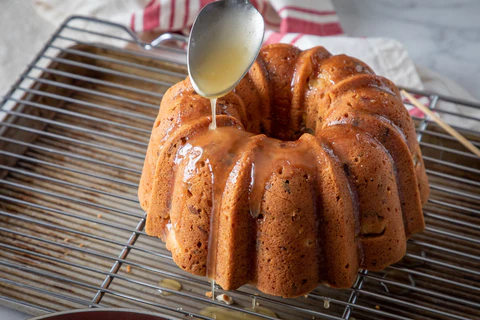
<point x="73" y="133"/>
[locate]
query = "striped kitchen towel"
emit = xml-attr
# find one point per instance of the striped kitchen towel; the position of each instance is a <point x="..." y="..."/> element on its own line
<point x="282" y="17"/>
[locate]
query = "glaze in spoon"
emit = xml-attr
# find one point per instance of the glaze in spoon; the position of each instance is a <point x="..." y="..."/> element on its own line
<point x="225" y="41"/>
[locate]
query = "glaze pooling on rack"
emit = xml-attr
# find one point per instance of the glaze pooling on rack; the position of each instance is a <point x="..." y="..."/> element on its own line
<point x="170" y="284"/>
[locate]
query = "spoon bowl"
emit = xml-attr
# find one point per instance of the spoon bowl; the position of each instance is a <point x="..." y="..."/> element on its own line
<point x="225" y="41"/>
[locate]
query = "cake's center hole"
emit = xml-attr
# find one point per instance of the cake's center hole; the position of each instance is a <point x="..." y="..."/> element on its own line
<point x="285" y="126"/>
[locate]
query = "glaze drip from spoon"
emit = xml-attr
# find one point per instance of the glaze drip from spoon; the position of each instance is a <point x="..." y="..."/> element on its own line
<point x="213" y="125"/>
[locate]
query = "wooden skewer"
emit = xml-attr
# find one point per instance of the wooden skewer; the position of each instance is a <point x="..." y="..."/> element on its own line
<point x="442" y="124"/>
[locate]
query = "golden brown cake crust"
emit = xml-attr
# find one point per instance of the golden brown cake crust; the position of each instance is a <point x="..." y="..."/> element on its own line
<point x="313" y="172"/>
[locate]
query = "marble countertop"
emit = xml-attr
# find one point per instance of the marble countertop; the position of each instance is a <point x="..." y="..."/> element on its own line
<point x="443" y="35"/>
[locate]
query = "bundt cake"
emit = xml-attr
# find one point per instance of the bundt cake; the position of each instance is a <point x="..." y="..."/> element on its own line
<point x="313" y="172"/>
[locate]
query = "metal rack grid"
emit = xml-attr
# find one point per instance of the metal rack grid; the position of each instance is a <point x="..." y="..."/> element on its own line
<point x="73" y="133"/>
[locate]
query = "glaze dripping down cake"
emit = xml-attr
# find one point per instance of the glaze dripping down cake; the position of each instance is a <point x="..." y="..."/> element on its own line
<point x="313" y="172"/>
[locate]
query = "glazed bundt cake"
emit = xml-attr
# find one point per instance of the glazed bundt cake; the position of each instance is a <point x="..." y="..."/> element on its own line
<point x="313" y="172"/>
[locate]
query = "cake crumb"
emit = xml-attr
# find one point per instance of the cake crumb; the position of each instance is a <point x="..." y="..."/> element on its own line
<point x="306" y="296"/>
<point x="224" y="298"/>
<point x="81" y="245"/>
<point x="377" y="307"/>
<point x="129" y="269"/>
<point x="99" y="216"/>
<point x="326" y="304"/>
<point x="208" y="294"/>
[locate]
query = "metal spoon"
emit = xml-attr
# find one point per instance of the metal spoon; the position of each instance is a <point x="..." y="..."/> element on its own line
<point x="225" y="41"/>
